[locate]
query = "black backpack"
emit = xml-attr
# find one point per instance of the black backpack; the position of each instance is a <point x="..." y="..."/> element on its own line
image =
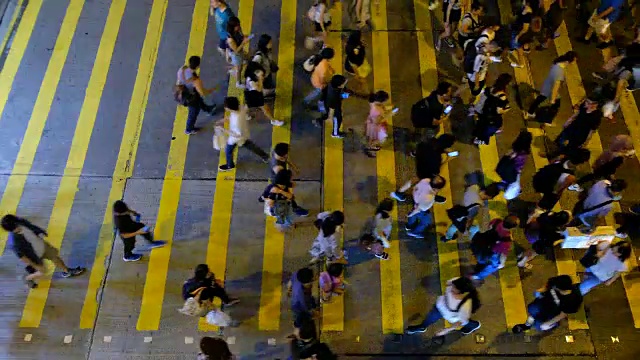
<point x="420" y="113"/>
<point x="470" y="53"/>
<point x="482" y="243"/>
<point x="544" y="181"/>
<point x="506" y="168"/>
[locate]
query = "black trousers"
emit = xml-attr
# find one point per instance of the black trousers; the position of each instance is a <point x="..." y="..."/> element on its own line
<point x="130" y="243"/>
<point x="194" y="111"/>
<point x="536" y="104"/>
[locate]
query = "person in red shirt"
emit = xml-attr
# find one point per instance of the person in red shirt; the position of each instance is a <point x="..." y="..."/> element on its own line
<point x="492" y="246"/>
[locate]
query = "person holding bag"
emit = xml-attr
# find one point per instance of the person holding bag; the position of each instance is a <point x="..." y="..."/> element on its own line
<point x="604" y="262"/>
<point x="356" y="63"/>
<point x="512" y="163"/>
<point x="599" y="202"/>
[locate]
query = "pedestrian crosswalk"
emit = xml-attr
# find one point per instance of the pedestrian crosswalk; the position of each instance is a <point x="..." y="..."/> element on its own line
<point x="153" y="281"/>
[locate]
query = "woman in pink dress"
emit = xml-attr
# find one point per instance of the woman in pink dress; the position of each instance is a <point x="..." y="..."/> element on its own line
<point x="376" y="126"/>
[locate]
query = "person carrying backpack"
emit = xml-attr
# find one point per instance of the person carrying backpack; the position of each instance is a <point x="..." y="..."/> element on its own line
<point x="552" y="304"/>
<point x="189" y="91"/>
<point x="491" y="247"/>
<point x="278" y="202"/>
<point x="477" y="57"/>
<point x="542" y="231"/>
<point x="203" y="277"/>
<point x="264" y="57"/>
<point x="492" y="104"/>
<point x="512" y="163"/>
<point x="554" y="178"/>
<point x="429" y="113"/>
<point x="469" y="28"/>
<point x="459" y="301"/>
<point x="463" y="214"/>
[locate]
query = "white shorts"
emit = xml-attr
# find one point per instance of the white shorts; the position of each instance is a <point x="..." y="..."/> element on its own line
<point x="599" y="25"/>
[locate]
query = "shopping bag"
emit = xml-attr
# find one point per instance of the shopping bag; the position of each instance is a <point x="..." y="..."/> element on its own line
<point x="218" y="318"/>
<point x="363" y="70"/>
<point x="219" y="138"/>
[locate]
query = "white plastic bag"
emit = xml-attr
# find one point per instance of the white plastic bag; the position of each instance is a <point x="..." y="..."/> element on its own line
<point x="513" y="190"/>
<point x="218" y="318"/>
<point x="219" y="138"/>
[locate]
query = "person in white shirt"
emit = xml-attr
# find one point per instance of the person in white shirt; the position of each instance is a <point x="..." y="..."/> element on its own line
<point x="238" y="133"/>
<point x="481" y="65"/>
<point x="424" y="196"/>
<point x="459" y="302"/>
<point x="325" y="245"/>
<point x="610" y="262"/>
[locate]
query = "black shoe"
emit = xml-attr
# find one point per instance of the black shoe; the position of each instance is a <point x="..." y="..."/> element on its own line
<point x="415" y="329"/>
<point x="399" y="196"/>
<point x="604" y="45"/>
<point x="440" y="199"/>
<point x="474" y="326"/>
<point x="520" y="328"/>
<point x="226" y="167"/>
<point x="192" y="131"/>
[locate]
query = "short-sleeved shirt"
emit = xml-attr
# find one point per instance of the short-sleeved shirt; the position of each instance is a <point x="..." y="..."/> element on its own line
<point x="598" y="194"/>
<point x="617" y="9"/>
<point x="185" y="77"/>
<point x="222" y="18"/>
<point x="322" y="74"/>
<point x="436" y="109"/>
<point x="424" y="195"/>
<point x="472" y="196"/>
<point x="555" y="74"/>
<point x="578" y="131"/>
<point x="334" y="98"/>
<point x="301" y="298"/>
<point x="447" y="304"/>
<point x="608" y="264"/>
<point x="553" y="303"/>
<point x="273" y="162"/>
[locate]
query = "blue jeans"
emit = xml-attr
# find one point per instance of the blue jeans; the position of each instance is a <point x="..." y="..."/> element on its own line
<point x="420" y="222"/>
<point x="535" y="310"/>
<point x="487" y="265"/>
<point x="432" y="317"/>
<point x="249" y="145"/>
<point x="453" y="230"/>
<point x="589" y="281"/>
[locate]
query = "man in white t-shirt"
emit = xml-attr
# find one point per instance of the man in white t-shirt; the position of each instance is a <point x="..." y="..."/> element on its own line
<point x="238" y="134"/>
<point x="424" y="196"/>
<point x="611" y="263"/>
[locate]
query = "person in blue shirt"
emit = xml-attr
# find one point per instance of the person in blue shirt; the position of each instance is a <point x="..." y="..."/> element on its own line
<point x="222" y="13"/>
<point x="299" y="289"/>
<point x="601" y="20"/>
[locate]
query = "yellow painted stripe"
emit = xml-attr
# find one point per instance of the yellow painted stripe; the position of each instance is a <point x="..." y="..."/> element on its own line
<point x="18" y="47"/>
<point x="225" y="188"/>
<point x="390" y="282"/>
<point x="32" y="313"/>
<point x="333" y="178"/>
<point x="448" y="255"/>
<point x="271" y="290"/>
<point x="154" y="287"/>
<point x="126" y="157"/>
<point x="9" y="204"/>
<point x="631" y="283"/>
<point x="14" y="17"/>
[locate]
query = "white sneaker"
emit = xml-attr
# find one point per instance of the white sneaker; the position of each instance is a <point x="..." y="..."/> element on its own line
<point x="277" y="122"/>
<point x="621" y="235"/>
<point x="576" y="187"/>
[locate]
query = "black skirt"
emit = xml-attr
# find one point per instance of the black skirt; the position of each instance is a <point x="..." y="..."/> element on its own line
<point x="253" y="98"/>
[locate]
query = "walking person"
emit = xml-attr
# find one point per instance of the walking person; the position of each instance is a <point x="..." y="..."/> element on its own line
<point x="630" y="222"/>
<point x="128" y="229"/>
<point x="424" y="196"/>
<point x="552" y="304"/>
<point x="543" y="231"/>
<point x="452" y="13"/>
<point x="280" y="199"/>
<point x="335" y="94"/>
<point x="300" y="289"/>
<point x="377" y="123"/>
<point x="28" y="244"/>
<point x="477" y="58"/>
<point x="362" y="10"/>
<point x="605" y="15"/>
<point x="604" y="263"/>
<point x="554" y="178"/>
<point x="222" y="13"/>
<point x="320" y="15"/>
<point x="489" y="109"/>
<point x="491" y="247"/>
<point x="264" y="57"/>
<point x="320" y="78"/>
<point x="522" y="34"/>
<point x="599" y="202"/>
<point x="203" y="277"/>
<point x="377" y="230"/>
<point x="579" y="128"/>
<point x="551" y="87"/>
<point x="356" y="63"/>
<point x="470" y="28"/>
<point x="238" y="134"/>
<point x="330" y="282"/>
<point x="254" y="91"/>
<point x="192" y="93"/>
<point x="458" y="303"/>
<point x="238" y="45"/>
<point x="325" y="246"/>
<point x="287" y="172"/>
<point x="512" y="163"/>
<point x="606" y="165"/>
<point x="429" y="113"/>
<point x="462" y="215"/>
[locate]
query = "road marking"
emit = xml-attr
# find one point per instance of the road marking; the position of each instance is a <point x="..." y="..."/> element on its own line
<point x="271" y="290"/>
<point x="448" y="255"/>
<point x="154" y="286"/>
<point x="631" y="283"/>
<point x="126" y="157"/>
<point x="68" y="339"/>
<point x="16" y="11"/>
<point x="333" y="177"/>
<point x="225" y="187"/>
<point x="390" y="282"/>
<point x="28" y="337"/>
<point x="14" y="58"/>
<point x="37" y="298"/>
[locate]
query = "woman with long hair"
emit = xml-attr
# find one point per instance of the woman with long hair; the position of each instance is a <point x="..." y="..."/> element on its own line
<point x="237" y="43"/>
<point x="459" y="302"/>
<point x="356" y="63"/>
<point x="214" y="349"/>
<point x="254" y="91"/>
<point x="551" y="86"/>
<point x="264" y="57"/>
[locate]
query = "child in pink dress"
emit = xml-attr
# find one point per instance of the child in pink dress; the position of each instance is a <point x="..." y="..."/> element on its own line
<point x="376" y="131"/>
<point x="331" y="281"/>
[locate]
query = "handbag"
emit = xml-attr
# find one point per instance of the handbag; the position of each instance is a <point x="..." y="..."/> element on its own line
<point x="183" y="95"/>
<point x="590" y="257"/>
<point x="218" y="318"/>
<point x="220" y="138"/>
<point x="363" y="70"/>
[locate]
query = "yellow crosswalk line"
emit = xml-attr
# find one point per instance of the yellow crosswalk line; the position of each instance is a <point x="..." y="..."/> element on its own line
<point x="14" y="17"/>
<point x="14" y="58"/>
<point x="390" y="282"/>
<point x="32" y="314"/>
<point x="333" y="178"/>
<point x="631" y="283"/>
<point x="126" y="157"/>
<point x="154" y="287"/>
<point x="448" y="255"/>
<point x="22" y="166"/>
<point x="225" y="187"/>
<point x="273" y="256"/>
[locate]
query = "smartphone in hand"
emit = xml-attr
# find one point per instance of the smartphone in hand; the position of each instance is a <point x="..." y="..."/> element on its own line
<point x="448" y="109"/>
<point x="453" y="153"/>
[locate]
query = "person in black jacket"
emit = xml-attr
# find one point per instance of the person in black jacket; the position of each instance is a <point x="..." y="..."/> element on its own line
<point x="203" y="277"/>
<point x="543" y="232"/>
<point x="27" y="242"/>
